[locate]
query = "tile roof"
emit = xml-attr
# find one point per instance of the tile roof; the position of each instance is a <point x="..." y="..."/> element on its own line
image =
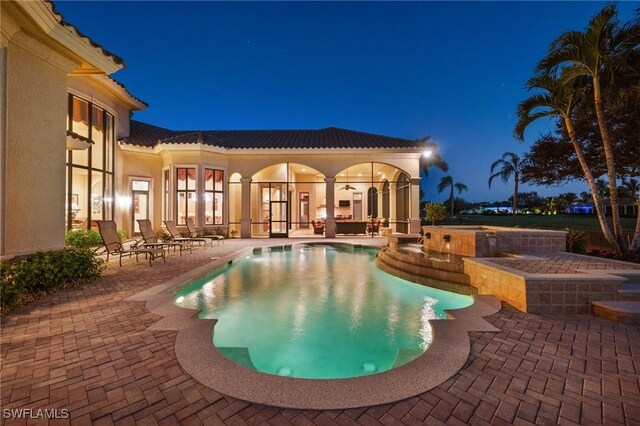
<point x="147" y="135"/>
<point x="115" y="58"/>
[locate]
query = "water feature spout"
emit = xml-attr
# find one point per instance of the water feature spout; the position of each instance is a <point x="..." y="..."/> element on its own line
<point x="446" y="243"/>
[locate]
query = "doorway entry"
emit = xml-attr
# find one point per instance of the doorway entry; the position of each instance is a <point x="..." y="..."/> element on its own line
<point x="278" y="219"/>
<point x="357" y="206"/>
<point x="139" y="203"/>
<point x="303" y="210"/>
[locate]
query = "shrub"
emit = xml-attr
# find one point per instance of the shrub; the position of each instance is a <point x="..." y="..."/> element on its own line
<point x="576" y="241"/>
<point x="37" y="274"/>
<point x="435" y="212"/>
<point x="83" y="238"/>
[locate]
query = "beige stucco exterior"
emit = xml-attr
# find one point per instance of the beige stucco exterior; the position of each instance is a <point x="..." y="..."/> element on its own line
<point x="35" y="129"/>
<point x="38" y="55"/>
<point x="43" y="60"/>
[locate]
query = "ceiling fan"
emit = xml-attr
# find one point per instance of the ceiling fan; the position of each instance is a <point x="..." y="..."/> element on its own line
<point x="347" y="186"/>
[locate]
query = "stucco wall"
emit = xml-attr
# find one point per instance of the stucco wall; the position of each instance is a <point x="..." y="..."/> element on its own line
<point x="130" y="165"/>
<point x="35" y="163"/>
<point x="88" y="89"/>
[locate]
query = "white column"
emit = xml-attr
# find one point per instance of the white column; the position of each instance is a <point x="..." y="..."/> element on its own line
<point x="330" y="221"/>
<point x="245" y="215"/>
<point x="414" y="207"/>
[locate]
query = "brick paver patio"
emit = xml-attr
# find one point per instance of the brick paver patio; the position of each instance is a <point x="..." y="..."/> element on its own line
<point x="565" y="263"/>
<point x="88" y="351"/>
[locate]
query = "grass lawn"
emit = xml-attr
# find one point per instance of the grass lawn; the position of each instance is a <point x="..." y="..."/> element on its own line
<point x="561" y="221"/>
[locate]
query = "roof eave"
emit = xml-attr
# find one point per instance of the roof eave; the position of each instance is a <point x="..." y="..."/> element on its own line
<point x="50" y="22"/>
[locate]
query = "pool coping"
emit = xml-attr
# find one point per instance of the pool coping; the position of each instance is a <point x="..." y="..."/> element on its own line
<point x="199" y="357"/>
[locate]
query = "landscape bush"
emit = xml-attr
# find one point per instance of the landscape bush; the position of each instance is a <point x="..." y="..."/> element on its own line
<point x="83" y="238"/>
<point x="33" y="276"/>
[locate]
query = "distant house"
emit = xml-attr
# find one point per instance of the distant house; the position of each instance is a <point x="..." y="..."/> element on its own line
<point x="580" y="208"/>
<point x="626" y="207"/>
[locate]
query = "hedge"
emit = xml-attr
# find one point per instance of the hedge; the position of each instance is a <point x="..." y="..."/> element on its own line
<point x="29" y="277"/>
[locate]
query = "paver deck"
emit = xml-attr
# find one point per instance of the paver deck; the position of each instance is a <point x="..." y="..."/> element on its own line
<point x="565" y="263"/>
<point x="88" y="351"/>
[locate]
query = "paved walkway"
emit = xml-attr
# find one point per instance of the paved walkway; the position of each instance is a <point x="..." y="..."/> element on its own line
<point x="87" y="351"/>
<point x="565" y="263"/>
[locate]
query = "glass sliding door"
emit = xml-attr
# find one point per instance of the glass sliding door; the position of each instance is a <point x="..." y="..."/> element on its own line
<point x="140" y="203"/>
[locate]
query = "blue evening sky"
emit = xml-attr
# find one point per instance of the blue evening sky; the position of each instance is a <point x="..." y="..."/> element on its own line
<point x="452" y="70"/>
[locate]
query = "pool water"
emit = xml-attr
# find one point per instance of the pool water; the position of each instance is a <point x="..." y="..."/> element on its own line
<point x="317" y="311"/>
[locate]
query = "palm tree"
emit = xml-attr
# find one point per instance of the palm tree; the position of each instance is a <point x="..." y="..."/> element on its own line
<point x="631" y="188"/>
<point x="558" y="100"/>
<point x="510" y="165"/>
<point x="447" y="182"/>
<point x="599" y="53"/>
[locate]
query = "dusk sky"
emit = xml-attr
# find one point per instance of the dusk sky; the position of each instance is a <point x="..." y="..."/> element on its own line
<point x="454" y="71"/>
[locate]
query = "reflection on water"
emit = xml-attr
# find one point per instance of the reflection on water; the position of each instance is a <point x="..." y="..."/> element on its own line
<point x="318" y="312"/>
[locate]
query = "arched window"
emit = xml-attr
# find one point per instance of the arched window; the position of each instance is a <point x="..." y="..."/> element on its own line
<point x="372" y="198"/>
<point x="402" y="203"/>
<point x="385" y="199"/>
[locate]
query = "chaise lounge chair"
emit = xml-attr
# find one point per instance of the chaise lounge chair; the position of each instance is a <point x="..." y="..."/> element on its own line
<point x="178" y="237"/>
<point x="112" y="243"/>
<point x="149" y="239"/>
<point x="193" y="233"/>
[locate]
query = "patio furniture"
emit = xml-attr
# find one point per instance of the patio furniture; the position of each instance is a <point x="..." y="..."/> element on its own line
<point x="193" y="233"/>
<point x="111" y="240"/>
<point x="351" y="227"/>
<point x="374" y="227"/>
<point x="178" y="237"/>
<point x="318" y="227"/>
<point x="149" y="239"/>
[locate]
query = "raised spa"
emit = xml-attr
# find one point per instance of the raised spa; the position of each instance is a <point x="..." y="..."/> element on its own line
<point x="317" y="311"/>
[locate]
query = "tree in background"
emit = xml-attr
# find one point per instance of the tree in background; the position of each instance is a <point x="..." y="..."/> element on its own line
<point x="558" y="100"/>
<point x="631" y="188"/>
<point x="509" y="165"/>
<point x="447" y="182"/>
<point x="530" y="200"/>
<point x="599" y="58"/>
<point x="565" y="200"/>
<point x="435" y="211"/>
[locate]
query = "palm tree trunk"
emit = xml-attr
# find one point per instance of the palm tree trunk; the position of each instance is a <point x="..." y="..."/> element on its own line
<point x="611" y="168"/>
<point x="451" y="201"/>
<point x="515" y="197"/>
<point x="597" y="203"/>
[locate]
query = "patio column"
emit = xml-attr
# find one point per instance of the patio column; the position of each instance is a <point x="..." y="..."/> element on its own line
<point x="330" y="221"/>
<point x="414" y="207"/>
<point x="245" y="207"/>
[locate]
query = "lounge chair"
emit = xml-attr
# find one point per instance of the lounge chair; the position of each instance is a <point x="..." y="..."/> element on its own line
<point x="178" y="237"/>
<point x="149" y="239"/>
<point x="193" y="233"/>
<point x="111" y="240"/>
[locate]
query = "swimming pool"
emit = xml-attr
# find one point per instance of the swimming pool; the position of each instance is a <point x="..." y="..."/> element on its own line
<point x="317" y="311"/>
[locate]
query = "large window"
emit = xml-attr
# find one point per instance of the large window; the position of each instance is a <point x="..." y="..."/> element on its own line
<point x="213" y="197"/>
<point x="90" y="179"/>
<point x="186" y="194"/>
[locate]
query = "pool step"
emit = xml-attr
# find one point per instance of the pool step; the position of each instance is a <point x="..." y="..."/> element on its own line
<point x="405" y="355"/>
<point x="420" y="269"/>
<point x="629" y="292"/>
<point x="627" y="312"/>
<point x="238" y="355"/>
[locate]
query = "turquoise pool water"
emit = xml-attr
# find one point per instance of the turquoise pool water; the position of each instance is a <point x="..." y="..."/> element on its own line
<point x="317" y="311"/>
